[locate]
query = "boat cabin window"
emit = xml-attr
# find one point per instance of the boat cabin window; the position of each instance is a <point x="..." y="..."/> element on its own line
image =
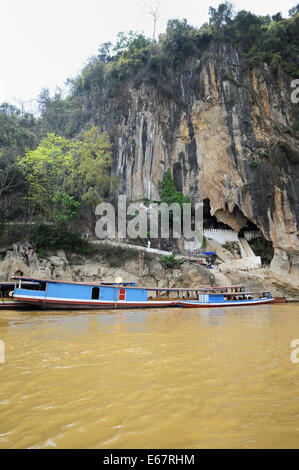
<point x="41" y="286"/>
<point x="5" y="290"/>
<point x="95" y="293"/>
<point x="34" y="285"/>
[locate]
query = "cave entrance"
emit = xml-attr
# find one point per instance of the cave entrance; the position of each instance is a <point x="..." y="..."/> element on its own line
<point x="245" y="229"/>
<point x="210" y="221"/>
<point x="257" y="242"/>
<point x="249" y="227"/>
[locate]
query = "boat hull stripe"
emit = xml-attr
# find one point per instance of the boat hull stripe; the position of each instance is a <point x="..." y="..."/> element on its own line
<point x="72" y="303"/>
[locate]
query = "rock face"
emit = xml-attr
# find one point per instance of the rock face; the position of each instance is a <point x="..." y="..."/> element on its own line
<point x="225" y="130"/>
<point x="242" y="264"/>
<point x="21" y="260"/>
<point x="285" y="269"/>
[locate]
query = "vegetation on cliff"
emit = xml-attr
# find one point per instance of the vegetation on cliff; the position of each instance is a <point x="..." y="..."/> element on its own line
<point x="66" y="176"/>
<point x="273" y="40"/>
<point x="56" y="167"/>
<point x="169" y="192"/>
<point x="134" y="57"/>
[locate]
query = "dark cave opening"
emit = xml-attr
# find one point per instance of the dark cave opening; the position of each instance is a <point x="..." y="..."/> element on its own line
<point x="250" y="231"/>
<point x="210" y="221"/>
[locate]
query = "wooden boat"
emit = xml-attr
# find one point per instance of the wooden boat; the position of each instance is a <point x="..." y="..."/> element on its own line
<point x="6" y="297"/>
<point x="45" y="293"/>
<point x="223" y="299"/>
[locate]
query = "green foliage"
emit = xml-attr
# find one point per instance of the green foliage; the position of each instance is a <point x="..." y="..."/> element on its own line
<point x="12" y="233"/>
<point x="169" y="192"/>
<point x="117" y="256"/>
<point x="63" y="160"/>
<point x="126" y="40"/>
<point x="252" y="163"/>
<point x="277" y="17"/>
<point x="68" y="207"/>
<point x="18" y="130"/>
<point x="91" y="179"/>
<point x="222" y="16"/>
<point x="63" y="175"/>
<point x="263" y="154"/>
<point x="260" y="38"/>
<point x="9" y="175"/>
<point x="293" y="11"/>
<point x="54" y="113"/>
<point x="245" y="30"/>
<point x="179" y="40"/>
<point x="105" y="51"/>
<point x="276" y="43"/>
<point x="133" y="52"/>
<point x="233" y="247"/>
<point x="170" y="261"/>
<point x="135" y="58"/>
<point x="46" y="171"/>
<point x="262" y="248"/>
<point x="57" y="236"/>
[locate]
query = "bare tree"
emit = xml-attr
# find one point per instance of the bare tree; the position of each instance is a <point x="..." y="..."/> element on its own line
<point x="153" y="9"/>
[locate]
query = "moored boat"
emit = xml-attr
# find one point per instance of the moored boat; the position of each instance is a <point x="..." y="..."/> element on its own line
<point x="228" y="300"/>
<point x="6" y="297"/>
<point x="44" y="293"/>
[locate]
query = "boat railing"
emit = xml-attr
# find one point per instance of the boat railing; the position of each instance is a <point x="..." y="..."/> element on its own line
<point x="195" y="294"/>
<point x="248" y="296"/>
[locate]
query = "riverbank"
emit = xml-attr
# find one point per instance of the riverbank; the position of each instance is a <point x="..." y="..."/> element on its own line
<point x="105" y="263"/>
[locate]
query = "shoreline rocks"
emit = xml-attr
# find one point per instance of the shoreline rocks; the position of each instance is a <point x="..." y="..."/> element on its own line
<point x="23" y="259"/>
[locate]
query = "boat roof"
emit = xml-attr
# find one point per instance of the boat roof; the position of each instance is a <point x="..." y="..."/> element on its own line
<point x="12" y="283"/>
<point x="102" y="283"/>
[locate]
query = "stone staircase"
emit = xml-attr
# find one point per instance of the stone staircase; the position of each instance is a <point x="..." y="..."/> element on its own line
<point x="246" y="251"/>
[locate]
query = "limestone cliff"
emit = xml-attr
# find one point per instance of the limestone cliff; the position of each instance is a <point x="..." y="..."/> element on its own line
<point x="225" y="130"/>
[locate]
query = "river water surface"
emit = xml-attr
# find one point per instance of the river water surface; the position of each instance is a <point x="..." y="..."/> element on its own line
<point x="161" y="378"/>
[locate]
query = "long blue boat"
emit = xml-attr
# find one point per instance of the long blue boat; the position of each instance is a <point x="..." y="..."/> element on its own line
<point x="53" y="294"/>
<point x="6" y="296"/>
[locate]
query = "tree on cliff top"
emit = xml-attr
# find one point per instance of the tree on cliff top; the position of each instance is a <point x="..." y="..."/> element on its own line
<point x="222" y="16"/>
<point x="293" y="11"/>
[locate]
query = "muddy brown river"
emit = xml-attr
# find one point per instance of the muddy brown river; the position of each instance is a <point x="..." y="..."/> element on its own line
<point x="160" y="378"/>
